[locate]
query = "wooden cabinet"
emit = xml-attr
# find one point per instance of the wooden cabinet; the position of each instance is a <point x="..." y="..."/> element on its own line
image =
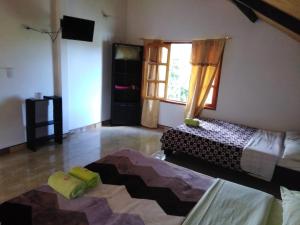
<point x="126" y="84"/>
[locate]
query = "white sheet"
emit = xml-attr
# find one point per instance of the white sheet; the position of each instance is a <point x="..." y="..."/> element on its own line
<point x="227" y="203"/>
<point x="261" y="154"/>
<point x="275" y="216"/>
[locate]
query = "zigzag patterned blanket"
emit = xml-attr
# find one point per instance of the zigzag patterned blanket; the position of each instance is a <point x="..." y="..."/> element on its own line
<point x="136" y="190"/>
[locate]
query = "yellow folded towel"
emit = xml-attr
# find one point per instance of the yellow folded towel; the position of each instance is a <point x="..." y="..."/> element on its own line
<point x="89" y="177"/>
<point x="70" y="187"/>
<point x="192" y="122"/>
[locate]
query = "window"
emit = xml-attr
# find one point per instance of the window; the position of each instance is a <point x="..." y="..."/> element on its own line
<point x="179" y="76"/>
<point x="168" y="69"/>
<point x="157" y="66"/>
<point x="179" y="73"/>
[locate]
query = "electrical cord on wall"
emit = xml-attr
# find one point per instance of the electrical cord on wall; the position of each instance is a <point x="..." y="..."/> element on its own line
<point x="52" y="35"/>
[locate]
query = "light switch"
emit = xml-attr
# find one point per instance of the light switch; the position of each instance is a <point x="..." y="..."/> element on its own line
<point x="9" y="72"/>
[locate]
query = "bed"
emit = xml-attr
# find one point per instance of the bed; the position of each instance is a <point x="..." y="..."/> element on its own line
<point x="288" y="165"/>
<point x="229" y="145"/>
<point x="136" y="190"/>
<point x="215" y="141"/>
<point x="139" y="190"/>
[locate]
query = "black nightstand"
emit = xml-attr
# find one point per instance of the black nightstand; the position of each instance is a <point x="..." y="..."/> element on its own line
<point x="31" y="122"/>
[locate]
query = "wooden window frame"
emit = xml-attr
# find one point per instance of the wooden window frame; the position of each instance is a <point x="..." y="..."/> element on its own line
<point x="215" y="86"/>
<point x="157" y="63"/>
<point x="168" y="44"/>
<point x="213" y="105"/>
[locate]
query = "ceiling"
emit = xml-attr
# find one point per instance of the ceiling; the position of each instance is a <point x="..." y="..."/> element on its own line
<point x="291" y="7"/>
<point x="282" y="14"/>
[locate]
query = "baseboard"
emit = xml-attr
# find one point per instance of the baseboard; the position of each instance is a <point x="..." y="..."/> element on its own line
<point x="4" y="151"/>
<point x="13" y="148"/>
<point x="163" y="127"/>
<point x="106" y="123"/>
<point x="85" y="128"/>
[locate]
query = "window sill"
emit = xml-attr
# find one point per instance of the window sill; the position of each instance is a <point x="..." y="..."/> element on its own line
<point x="209" y="107"/>
<point x="173" y="102"/>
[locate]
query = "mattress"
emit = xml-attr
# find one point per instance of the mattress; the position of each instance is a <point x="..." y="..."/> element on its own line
<point x="216" y="141"/>
<point x="289" y="164"/>
<point x="261" y="154"/>
<point x="136" y="190"/>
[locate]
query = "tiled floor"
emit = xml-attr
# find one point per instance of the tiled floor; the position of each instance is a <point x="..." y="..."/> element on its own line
<point x="23" y="170"/>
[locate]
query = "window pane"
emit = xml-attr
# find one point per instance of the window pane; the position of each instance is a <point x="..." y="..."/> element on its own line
<point x="161" y="90"/>
<point x="150" y="89"/>
<point x="179" y="72"/>
<point x="153" y="51"/>
<point x="162" y="72"/>
<point x="151" y="72"/>
<point x="163" y="55"/>
<point x="209" y="99"/>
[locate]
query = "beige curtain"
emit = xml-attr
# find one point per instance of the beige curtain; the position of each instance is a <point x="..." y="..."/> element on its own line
<point x="206" y="56"/>
<point x="150" y="111"/>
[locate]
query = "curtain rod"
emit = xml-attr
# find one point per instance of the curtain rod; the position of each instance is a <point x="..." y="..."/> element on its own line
<point x="226" y="37"/>
<point x="185" y="41"/>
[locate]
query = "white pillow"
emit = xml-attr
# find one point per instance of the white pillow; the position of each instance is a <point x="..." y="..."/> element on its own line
<point x="291" y="206"/>
<point x="292" y="146"/>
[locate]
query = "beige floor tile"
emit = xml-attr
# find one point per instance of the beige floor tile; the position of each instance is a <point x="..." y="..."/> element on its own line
<point x="23" y="170"/>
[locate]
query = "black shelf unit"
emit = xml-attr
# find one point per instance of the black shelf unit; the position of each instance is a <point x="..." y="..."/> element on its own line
<point x="32" y="124"/>
<point x="126" y="88"/>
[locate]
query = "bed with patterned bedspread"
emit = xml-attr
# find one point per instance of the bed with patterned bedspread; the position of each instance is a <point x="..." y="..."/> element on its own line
<point x="136" y="190"/>
<point x="215" y="141"/>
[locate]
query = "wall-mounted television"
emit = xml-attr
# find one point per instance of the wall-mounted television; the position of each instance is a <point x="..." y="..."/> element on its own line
<point x="77" y="29"/>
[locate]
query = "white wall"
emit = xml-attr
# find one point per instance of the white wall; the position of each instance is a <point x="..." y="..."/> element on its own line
<point x="88" y="63"/>
<point x="260" y="80"/>
<point x="29" y="55"/>
<point x="82" y="69"/>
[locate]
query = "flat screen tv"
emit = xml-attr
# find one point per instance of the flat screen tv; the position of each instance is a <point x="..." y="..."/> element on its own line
<point x="77" y="29"/>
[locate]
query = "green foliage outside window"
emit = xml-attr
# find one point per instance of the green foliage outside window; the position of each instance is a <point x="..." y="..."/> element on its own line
<point x="179" y="76"/>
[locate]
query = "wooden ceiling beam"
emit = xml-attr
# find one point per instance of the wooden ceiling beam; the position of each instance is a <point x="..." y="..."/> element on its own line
<point x="278" y="26"/>
<point x="291" y="7"/>
<point x="248" y="12"/>
<point x="273" y="13"/>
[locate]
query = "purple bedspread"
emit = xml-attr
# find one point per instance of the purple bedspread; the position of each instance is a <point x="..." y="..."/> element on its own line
<point x="216" y="141"/>
<point x="135" y="190"/>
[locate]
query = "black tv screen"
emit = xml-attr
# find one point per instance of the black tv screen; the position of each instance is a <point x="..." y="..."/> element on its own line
<point x="77" y="29"/>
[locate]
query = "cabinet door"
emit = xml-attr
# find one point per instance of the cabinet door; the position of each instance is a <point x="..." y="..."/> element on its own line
<point x="126" y="114"/>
